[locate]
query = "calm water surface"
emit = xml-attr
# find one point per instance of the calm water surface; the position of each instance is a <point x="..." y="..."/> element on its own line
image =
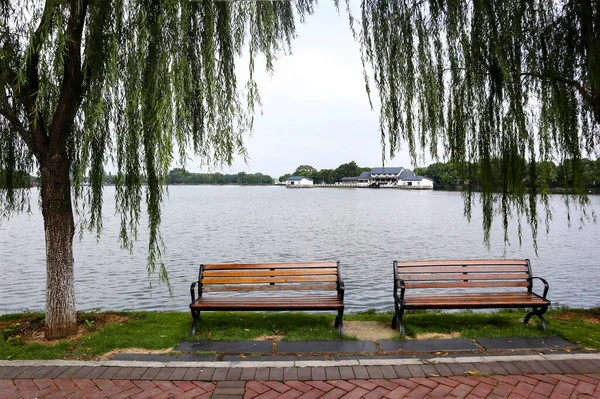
<point x="364" y="229"/>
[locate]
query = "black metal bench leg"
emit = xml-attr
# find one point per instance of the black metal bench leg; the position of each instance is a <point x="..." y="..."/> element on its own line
<point x="195" y="317"/>
<point x="397" y="321"/>
<point x="339" y="322"/>
<point x="539" y="312"/>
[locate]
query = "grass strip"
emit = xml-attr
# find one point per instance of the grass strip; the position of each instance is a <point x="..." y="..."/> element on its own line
<point x="101" y="333"/>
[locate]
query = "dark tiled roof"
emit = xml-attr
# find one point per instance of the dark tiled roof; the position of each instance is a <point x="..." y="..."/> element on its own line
<point x="386" y="170"/>
<point x="413" y="178"/>
<point x="406" y="173"/>
<point x="298" y="178"/>
<point x="364" y="175"/>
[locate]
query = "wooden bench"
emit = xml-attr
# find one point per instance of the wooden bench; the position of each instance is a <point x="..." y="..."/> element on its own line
<point x="475" y="284"/>
<point x="322" y="278"/>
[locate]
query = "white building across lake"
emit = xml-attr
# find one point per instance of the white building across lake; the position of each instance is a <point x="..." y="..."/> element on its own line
<point x="388" y="177"/>
<point x="298" y="181"/>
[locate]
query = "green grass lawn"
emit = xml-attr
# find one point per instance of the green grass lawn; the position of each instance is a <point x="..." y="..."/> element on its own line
<point x="104" y="332"/>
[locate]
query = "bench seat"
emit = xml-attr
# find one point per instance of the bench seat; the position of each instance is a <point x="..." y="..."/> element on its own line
<point x="269" y="303"/>
<point x="475" y="301"/>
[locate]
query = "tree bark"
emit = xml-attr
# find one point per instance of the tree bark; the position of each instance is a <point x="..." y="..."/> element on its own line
<point x="59" y="227"/>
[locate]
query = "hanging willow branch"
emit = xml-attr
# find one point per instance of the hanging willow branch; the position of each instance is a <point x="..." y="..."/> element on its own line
<point x="498" y="84"/>
<point x="135" y="83"/>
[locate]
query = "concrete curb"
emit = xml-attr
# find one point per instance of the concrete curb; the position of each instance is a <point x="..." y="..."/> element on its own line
<point x="302" y="363"/>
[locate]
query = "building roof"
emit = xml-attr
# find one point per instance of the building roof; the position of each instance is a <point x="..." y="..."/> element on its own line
<point x="349" y="178"/>
<point x="406" y="173"/>
<point x="388" y="170"/>
<point x="298" y="178"/>
<point x="413" y="178"/>
<point x="364" y="175"/>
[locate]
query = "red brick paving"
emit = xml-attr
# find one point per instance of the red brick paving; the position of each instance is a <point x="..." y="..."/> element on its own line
<point x="477" y="387"/>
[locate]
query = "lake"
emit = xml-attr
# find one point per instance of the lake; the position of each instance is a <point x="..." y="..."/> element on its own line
<point x="364" y="229"/>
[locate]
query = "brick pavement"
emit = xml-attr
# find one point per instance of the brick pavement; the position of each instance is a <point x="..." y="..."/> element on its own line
<point x="506" y="377"/>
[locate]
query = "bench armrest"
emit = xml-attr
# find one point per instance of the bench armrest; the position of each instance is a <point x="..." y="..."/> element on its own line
<point x="192" y="291"/>
<point x="546" y="286"/>
<point x="340" y="290"/>
<point x="402" y="288"/>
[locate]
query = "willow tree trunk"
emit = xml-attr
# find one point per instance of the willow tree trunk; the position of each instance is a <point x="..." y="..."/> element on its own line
<point x="59" y="227"/>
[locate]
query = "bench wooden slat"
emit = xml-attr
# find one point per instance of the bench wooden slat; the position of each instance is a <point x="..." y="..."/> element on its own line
<point x="462" y="269"/>
<point x="469" y="284"/>
<point x="261" y="272"/>
<point x="281" y="279"/>
<point x="265" y="303"/>
<point x="461" y="276"/>
<point x="483" y="299"/>
<point x="478" y="262"/>
<point x="226" y="266"/>
<point x="266" y="287"/>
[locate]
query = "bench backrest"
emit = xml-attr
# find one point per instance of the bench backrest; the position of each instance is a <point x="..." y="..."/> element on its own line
<point x="495" y="273"/>
<point x="314" y="276"/>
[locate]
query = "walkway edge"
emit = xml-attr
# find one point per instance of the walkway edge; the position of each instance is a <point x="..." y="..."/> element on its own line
<point x="301" y="363"/>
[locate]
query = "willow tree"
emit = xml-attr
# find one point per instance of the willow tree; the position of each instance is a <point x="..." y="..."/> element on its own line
<point x="515" y="82"/>
<point x="133" y="83"/>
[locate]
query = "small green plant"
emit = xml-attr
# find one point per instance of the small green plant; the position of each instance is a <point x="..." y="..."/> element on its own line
<point x="11" y="331"/>
<point x="14" y="340"/>
<point x="89" y="324"/>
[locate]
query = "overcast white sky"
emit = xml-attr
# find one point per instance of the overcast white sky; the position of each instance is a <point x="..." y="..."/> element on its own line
<point x="315" y="107"/>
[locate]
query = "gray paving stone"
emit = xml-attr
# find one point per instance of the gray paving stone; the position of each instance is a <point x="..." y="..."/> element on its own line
<point x="484" y="368"/>
<point x="360" y="372"/>
<point x="29" y="372"/>
<point x="510" y="368"/>
<point x="163" y="374"/>
<point x="429" y="370"/>
<point x="318" y="374"/>
<point x="526" y="343"/>
<point x="178" y="374"/>
<point x="84" y="371"/>
<point x="416" y="371"/>
<point x="234" y="374"/>
<point x="429" y="345"/>
<point x="443" y="370"/>
<point x="332" y="373"/>
<point x="109" y="373"/>
<point x="374" y="372"/>
<point x="147" y="357"/>
<point x="347" y="373"/>
<point x="388" y="372"/>
<point x="402" y="372"/>
<point x="220" y="374"/>
<point x="59" y="370"/>
<point x="225" y="346"/>
<point x="290" y="374"/>
<point x="248" y="373"/>
<point x="497" y="368"/>
<point x="276" y="374"/>
<point x="304" y="374"/>
<point x="137" y="373"/>
<point x="205" y="374"/>
<point x="151" y="373"/>
<point x="262" y="373"/>
<point x="325" y="346"/>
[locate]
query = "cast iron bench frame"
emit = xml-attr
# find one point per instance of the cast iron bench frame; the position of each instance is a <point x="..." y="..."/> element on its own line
<point x="468" y="274"/>
<point x="269" y="278"/>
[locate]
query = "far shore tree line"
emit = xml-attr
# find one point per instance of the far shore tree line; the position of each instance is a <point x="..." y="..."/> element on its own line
<point x="449" y="176"/>
<point x="445" y="176"/>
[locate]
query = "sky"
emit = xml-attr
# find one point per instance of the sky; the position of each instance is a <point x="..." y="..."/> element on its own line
<point x="315" y="107"/>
